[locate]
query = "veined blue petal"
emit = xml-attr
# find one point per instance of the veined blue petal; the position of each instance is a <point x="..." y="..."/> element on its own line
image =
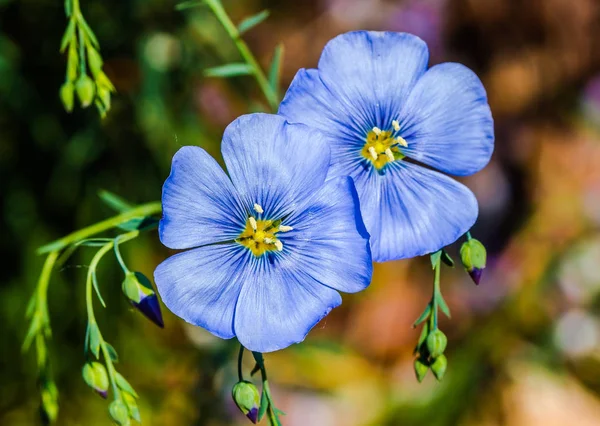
<point x="279" y="304"/>
<point x="202" y="285"/>
<point x="374" y="71"/>
<point x="273" y="163"/>
<point x="447" y="121"/>
<point x="330" y="242"/>
<point x="410" y="210"/>
<point x="199" y="202"/>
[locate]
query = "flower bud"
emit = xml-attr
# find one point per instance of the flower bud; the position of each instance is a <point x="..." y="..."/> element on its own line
<point x="439" y="367"/>
<point x="473" y="256"/>
<point x="139" y="291"/>
<point x="94" y="60"/>
<point x="85" y="90"/>
<point x="247" y="398"/>
<point x="420" y="369"/>
<point x="95" y="376"/>
<point x="104" y="96"/>
<point x="66" y="95"/>
<point x="436" y="343"/>
<point x="119" y="413"/>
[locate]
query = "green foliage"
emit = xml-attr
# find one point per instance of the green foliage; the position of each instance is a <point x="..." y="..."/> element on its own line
<point x="253" y="21"/>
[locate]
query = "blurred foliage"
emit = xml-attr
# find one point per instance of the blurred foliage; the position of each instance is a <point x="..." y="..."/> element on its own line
<point x="527" y="337"/>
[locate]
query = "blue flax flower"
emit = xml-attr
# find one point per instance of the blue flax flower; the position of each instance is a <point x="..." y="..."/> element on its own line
<point x="271" y="245"/>
<point x="387" y="115"/>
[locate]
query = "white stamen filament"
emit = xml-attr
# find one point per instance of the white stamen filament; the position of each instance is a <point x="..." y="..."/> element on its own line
<point x="373" y="153"/>
<point x="279" y="245"/>
<point x="285" y="228"/>
<point x="258" y="208"/>
<point x="389" y="154"/>
<point x="252" y="222"/>
<point x="401" y="141"/>
<point x="268" y="240"/>
<point x="377" y="130"/>
<point x="396" y="125"/>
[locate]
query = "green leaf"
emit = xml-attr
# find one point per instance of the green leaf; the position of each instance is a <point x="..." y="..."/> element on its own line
<point x="189" y="4"/>
<point x="275" y="69"/>
<point x="115" y="202"/>
<point x="252" y="21"/>
<point x="95" y="283"/>
<point x="94" y="338"/>
<point x="89" y="33"/>
<point x="423" y="316"/>
<point x="264" y="403"/>
<point x="442" y="304"/>
<point x="68" y="9"/>
<point x="68" y="35"/>
<point x="230" y="70"/>
<point x="34" y="328"/>
<point x="111" y="352"/>
<point x="132" y="407"/>
<point x="447" y="259"/>
<point x="138" y="223"/>
<point x="123" y="384"/>
<point x="435" y="258"/>
<point x="31" y="305"/>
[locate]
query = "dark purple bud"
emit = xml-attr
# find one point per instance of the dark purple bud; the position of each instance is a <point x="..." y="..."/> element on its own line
<point x="150" y="307"/>
<point x="103" y="394"/>
<point x="253" y="415"/>
<point x="475" y="274"/>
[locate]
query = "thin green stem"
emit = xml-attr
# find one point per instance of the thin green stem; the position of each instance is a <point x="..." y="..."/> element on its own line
<point x="140" y="211"/>
<point x="433" y="319"/>
<point x="270" y="94"/>
<point x="468" y="235"/>
<point x="240" y="358"/>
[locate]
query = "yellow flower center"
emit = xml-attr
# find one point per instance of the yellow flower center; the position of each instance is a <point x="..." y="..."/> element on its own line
<point x="260" y="235"/>
<point x="382" y="147"/>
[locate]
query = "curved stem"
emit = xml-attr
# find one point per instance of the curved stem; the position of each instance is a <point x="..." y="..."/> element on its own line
<point x="217" y="8"/>
<point x="140" y="211"/>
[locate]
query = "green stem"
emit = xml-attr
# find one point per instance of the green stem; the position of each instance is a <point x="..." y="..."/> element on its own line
<point x="240" y="358"/>
<point x="217" y="8"/>
<point x="468" y="235"/>
<point x="140" y="211"/>
<point x="434" y="297"/>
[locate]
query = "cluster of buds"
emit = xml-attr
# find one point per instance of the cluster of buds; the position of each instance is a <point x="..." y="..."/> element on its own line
<point x="142" y="296"/>
<point x="431" y="354"/>
<point x="473" y="256"/>
<point x="82" y="49"/>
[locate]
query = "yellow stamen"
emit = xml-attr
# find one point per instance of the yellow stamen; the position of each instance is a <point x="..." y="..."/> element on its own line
<point x="377" y="130"/>
<point x="252" y="222"/>
<point x="389" y="154"/>
<point x="401" y="141"/>
<point x="373" y="153"/>
<point x="268" y="240"/>
<point x="279" y="245"/>
<point x="258" y="208"/>
<point x="285" y="228"/>
<point x="396" y="125"/>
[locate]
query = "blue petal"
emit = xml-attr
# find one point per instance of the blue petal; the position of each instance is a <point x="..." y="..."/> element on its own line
<point x="273" y="163"/>
<point x="278" y="305"/>
<point x="329" y="241"/>
<point x="374" y="71"/>
<point x="447" y="121"/>
<point x="410" y="210"/>
<point x="199" y="202"/>
<point x="202" y="285"/>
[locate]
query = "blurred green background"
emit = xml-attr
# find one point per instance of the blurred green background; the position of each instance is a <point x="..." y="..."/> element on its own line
<point x="524" y="346"/>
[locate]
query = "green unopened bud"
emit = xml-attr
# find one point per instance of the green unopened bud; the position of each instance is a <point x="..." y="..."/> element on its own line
<point x="436" y="343"/>
<point x="132" y="407"/>
<point x="420" y="369"/>
<point x="119" y="413"/>
<point x="439" y="367"/>
<point x="85" y="90"/>
<point x="67" y="91"/>
<point x="94" y="60"/>
<point x="104" y="96"/>
<point x="72" y="63"/>
<point x="140" y="293"/>
<point x="247" y="398"/>
<point x="95" y="376"/>
<point x="49" y="406"/>
<point x="473" y="256"/>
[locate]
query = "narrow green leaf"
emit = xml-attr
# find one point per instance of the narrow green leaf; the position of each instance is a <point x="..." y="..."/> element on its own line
<point x="442" y="304"/>
<point x="423" y="316"/>
<point x="264" y="404"/>
<point x="89" y="33"/>
<point x="422" y="337"/>
<point x="252" y="21"/>
<point x="229" y="70"/>
<point x="95" y="283"/>
<point x="111" y="352"/>
<point x="132" y="407"/>
<point x="68" y="8"/>
<point x="31" y="305"/>
<point x="275" y="69"/>
<point x="115" y="202"/>
<point x="447" y="259"/>
<point x="94" y="339"/>
<point x="65" y="255"/>
<point x="123" y="384"/>
<point x="34" y="329"/>
<point x="68" y="35"/>
<point x="188" y="4"/>
<point x="435" y="258"/>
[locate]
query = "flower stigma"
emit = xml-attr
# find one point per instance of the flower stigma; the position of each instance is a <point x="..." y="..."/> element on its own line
<point x="382" y="147"/>
<point x="260" y="235"/>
